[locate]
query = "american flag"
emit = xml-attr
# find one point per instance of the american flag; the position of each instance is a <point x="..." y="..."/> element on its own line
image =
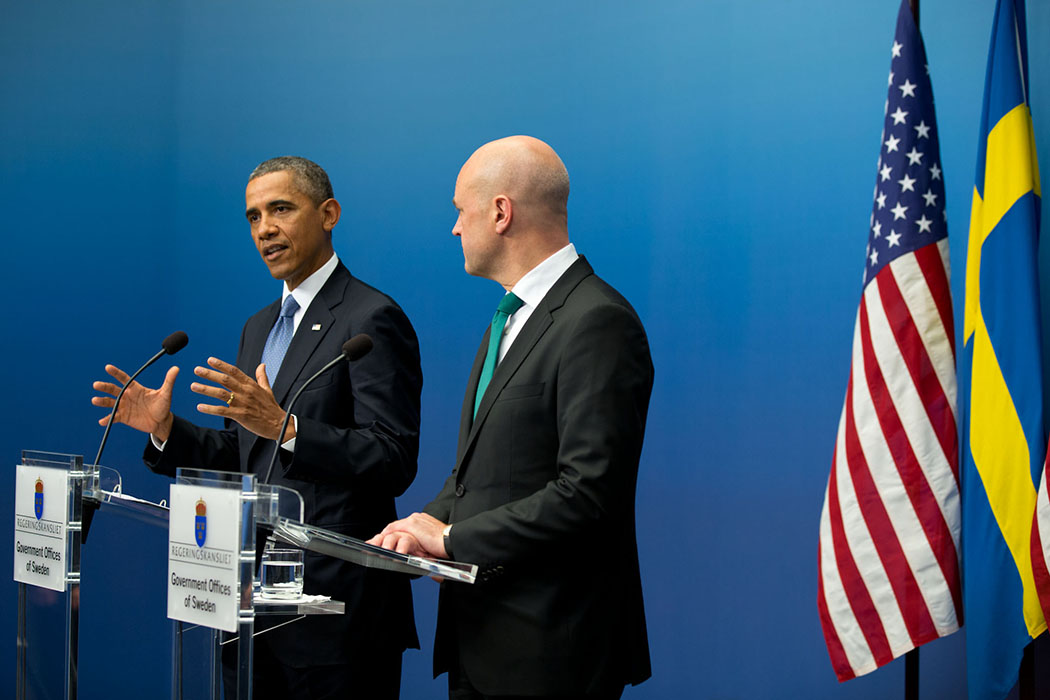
<point x="889" y="528"/>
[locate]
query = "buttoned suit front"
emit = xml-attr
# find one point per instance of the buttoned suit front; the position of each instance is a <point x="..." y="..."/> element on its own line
<point x="542" y="499"/>
<point x="356" y="446"/>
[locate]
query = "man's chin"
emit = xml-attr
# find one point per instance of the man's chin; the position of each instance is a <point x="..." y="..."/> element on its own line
<point x="277" y="271"/>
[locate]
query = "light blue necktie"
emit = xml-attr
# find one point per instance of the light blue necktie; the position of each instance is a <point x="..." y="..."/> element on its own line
<point x="279" y="338"/>
<point x="507" y="306"/>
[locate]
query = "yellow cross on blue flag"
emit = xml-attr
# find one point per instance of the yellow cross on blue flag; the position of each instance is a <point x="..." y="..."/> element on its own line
<point x="1000" y="375"/>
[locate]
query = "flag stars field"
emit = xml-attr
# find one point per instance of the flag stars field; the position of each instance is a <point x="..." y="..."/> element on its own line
<point x="909" y="178"/>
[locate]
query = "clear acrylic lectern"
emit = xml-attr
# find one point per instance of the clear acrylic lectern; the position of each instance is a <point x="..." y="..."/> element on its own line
<point x="57" y="494"/>
<point x="48" y="516"/>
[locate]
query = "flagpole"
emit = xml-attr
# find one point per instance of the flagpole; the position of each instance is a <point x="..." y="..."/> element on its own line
<point x="911" y="659"/>
<point x="911" y="675"/>
<point x="1026" y="674"/>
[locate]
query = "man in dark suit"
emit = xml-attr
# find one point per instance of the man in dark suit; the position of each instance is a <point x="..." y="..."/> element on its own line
<point x="350" y="449"/>
<point x="542" y="493"/>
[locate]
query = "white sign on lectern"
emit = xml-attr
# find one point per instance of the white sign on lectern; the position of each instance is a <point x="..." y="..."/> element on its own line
<point x="203" y="555"/>
<point x="41" y="521"/>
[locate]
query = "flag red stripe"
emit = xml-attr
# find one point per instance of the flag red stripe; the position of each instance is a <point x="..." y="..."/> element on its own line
<point x="1039" y="569"/>
<point x="932" y="265"/>
<point x="1042" y="576"/>
<point x="923" y="374"/>
<point x="922" y="498"/>
<point x="856" y="591"/>
<point x="839" y="660"/>
<point x="906" y="589"/>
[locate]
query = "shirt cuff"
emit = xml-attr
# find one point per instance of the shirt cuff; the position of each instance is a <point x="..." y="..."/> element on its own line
<point x="446" y="536"/>
<point x="290" y="444"/>
<point x="158" y="443"/>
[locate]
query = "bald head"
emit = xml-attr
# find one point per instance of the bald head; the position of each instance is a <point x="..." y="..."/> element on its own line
<point x="512" y="197"/>
<point x="526" y="170"/>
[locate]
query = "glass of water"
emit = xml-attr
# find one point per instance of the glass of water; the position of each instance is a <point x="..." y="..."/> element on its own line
<point x="282" y="574"/>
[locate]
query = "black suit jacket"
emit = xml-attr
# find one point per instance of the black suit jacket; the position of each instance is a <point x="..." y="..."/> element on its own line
<point x="542" y="498"/>
<point x="356" y="447"/>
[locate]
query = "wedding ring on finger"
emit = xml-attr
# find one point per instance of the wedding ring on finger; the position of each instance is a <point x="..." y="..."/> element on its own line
<point x="229" y="401"/>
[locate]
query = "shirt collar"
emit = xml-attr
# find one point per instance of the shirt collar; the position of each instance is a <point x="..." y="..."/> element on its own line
<point x="538" y="281"/>
<point x="309" y="287"/>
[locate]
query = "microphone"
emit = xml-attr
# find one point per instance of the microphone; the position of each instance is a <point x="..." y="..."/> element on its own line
<point x="171" y="345"/>
<point x="353" y="350"/>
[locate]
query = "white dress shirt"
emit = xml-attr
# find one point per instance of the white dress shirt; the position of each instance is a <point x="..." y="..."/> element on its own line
<point x="531" y="289"/>
<point x="306" y="291"/>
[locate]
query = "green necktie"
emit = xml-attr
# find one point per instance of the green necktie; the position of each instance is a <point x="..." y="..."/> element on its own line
<point x="507" y="306"/>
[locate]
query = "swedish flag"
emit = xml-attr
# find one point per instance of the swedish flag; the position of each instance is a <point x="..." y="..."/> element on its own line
<point x="1000" y="373"/>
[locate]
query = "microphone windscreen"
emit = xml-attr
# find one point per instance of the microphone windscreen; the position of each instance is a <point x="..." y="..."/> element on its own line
<point x="357" y="347"/>
<point x="175" y="342"/>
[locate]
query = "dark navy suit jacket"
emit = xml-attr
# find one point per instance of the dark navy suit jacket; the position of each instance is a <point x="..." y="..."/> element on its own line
<point x="356" y="447"/>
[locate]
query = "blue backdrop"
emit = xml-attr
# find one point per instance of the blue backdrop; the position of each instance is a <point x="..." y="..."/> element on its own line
<point x="722" y="158"/>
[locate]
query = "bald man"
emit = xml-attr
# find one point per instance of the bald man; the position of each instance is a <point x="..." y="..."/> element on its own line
<point x="542" y="493"/>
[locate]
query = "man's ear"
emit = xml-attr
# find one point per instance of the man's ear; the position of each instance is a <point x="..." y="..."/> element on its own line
<point x="503" y="213"/>
<point x="330" y="211"/>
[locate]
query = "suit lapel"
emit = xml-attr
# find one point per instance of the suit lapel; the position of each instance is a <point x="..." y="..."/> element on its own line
<point x="254" y="341"/>
<point x="255" y="338"/>
<point x="303" y="345"/>
<point x="534" y="328"/>
<point x="467" y="416"/>
<point x="538" y="323"/>
<point x="306" y="340"/>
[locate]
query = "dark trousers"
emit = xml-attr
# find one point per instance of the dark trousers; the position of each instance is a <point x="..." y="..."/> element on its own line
<point x="370" y="674"/>
<point x="460" y="688"/>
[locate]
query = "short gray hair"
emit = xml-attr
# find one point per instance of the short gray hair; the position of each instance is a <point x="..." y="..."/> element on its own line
<point x="310" y="178"/>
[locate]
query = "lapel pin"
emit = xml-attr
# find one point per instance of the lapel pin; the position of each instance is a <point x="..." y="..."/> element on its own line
<point x="316" y="327"/>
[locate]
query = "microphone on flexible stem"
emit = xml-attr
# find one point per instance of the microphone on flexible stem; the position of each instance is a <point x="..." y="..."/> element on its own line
<point x="171" y="345"/>
<point x="353" y="349"/>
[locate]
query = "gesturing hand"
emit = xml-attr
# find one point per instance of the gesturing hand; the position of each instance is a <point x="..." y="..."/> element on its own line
<point x="247" y="401"/>
<point x="142" y="408"/>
